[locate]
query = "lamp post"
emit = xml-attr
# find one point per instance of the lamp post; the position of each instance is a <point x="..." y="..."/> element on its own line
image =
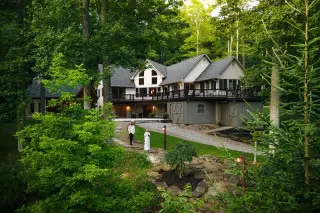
<point x="164" y="137"/>
<point x="242" y="160"/>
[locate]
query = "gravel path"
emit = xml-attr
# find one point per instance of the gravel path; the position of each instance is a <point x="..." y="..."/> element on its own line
<point x="196" y="136"/>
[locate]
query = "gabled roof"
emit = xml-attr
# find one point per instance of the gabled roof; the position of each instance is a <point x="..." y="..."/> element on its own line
<point x="177" y="72"/>
<point x="121" y="77"/>
<point x="215" y="68"/>
<point x="161" y="68"/>
<point x="33" y="91"/>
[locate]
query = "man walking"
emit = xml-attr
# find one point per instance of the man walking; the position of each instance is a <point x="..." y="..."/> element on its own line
<point x="131" y="131"/>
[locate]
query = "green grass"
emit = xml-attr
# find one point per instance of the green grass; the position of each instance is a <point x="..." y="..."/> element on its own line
<point x="156" y="141"/>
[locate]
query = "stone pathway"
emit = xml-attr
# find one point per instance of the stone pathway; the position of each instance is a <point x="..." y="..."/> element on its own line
<point x="196" y="136"/>
<point x="155" y="155"/>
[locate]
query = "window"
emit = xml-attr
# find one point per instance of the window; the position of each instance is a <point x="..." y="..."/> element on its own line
<point x="232" y="84"/>
<point x="223" y="84"/>
<point x="141" y="81"/>
<point x="202" y="87"/>
<point x="141" y="78"/>
<point x="154" y="80"/>
<point x="152" y="91"/>
<point x="200" y="108"/>
<point x="154" y="77"/>
<point x="213" y="84"/>
<point x="32" y="108"/>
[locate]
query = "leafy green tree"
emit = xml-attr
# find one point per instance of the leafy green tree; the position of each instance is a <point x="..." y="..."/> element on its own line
<point x="69" y="162"/>
<point x="181" y="153"/>
<point x="15" y="61"/>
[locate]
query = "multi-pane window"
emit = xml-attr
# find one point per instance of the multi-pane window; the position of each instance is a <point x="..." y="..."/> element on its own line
<point x="154" y="77"/>
<point x="223" y="84"/>
<point x="200" y="108"/>
<point x="141" y="78"/>
<point x="232" y="84"/>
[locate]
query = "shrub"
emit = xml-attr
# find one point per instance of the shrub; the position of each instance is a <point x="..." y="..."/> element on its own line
<point x="182" y="203"/>
<point x="179" y="155"/>
<point x="165" y="116"/>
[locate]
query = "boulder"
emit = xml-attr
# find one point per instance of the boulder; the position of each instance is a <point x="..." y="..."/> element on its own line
<point x="160" y="184"/>
<point x="174" y="190"/>
<point x="200" y="190"/>
<point x="214" y="176"/>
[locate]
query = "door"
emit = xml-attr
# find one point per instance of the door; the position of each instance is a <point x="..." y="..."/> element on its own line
<point x="176" y="110"/>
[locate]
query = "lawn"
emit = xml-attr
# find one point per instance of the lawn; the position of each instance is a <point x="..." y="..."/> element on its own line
<point x="202" y="149"/>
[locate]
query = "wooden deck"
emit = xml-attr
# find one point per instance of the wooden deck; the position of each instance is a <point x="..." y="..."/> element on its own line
<point x="195" y="94"/>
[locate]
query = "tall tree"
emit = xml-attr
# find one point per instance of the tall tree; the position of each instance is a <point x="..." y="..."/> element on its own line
<point x="199" y="29"/>
<point x="85" y="34"/>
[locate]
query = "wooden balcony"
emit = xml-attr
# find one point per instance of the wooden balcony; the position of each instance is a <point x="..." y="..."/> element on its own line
<point x="195" y="94"/>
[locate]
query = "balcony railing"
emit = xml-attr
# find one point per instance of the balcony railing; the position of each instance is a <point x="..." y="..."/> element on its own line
<point x="190" y="94"/>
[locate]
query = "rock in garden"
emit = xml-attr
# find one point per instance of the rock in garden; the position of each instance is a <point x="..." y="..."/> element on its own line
<point x="174" y="190"/>
<point x="160" y="184"/>
<point x="199" y="175"/>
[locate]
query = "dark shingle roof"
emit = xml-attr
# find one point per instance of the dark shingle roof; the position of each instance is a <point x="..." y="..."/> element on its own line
<point x="121" y="77"/>
<point x="161" y="68"/>
<point x="33" y="91"/>
<point x="214" y="69"/>
<point x="177" y="72"/>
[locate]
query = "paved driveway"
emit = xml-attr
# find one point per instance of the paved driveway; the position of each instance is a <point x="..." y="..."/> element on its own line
<point x="196" y="136"/>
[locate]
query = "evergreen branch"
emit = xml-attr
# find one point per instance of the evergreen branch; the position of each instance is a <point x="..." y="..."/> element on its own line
<point x="294" y="8"/>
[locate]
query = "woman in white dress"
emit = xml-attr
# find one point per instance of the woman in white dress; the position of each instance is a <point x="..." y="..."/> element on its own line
<point x="147" y="140"/>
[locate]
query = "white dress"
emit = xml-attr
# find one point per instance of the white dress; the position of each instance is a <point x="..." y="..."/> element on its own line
<point x="147" y="141"/>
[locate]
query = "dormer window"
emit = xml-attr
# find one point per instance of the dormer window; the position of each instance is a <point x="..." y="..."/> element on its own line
<point x="141" y="78"/>
<point x="154" y="77"/>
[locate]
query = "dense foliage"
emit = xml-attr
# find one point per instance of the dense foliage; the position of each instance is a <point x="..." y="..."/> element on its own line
<point x="69" y="164"/>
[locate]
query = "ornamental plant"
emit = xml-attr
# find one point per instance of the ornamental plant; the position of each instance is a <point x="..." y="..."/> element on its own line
<point x="177" y="157"/>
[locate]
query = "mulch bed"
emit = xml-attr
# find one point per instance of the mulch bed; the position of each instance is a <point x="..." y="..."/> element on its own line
<point x="236" y="134"/>
<point x="172" y="178"/>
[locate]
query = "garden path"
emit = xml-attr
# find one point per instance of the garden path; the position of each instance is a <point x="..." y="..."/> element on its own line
<point x="199" y="137"/>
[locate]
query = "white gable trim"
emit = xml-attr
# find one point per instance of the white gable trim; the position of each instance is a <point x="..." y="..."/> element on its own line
<point x="204" y="55"/>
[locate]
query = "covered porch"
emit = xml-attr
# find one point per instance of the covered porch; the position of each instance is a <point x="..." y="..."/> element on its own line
<point x="140" y="110"/>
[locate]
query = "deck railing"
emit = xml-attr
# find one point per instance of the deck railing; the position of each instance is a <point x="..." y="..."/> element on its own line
<point x="190" y="94"/>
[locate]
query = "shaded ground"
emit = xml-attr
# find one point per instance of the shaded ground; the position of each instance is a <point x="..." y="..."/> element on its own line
<point x="172" y="178"/>
<point x="8" y="142"/>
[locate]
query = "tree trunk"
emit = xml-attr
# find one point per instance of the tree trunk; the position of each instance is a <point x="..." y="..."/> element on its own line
<point x="237" y="48"/>
<point x="306" y="96"/>
<point x="106" y="80"/>
<point x="85" y="35"/>
<point x="274" y="101"/>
